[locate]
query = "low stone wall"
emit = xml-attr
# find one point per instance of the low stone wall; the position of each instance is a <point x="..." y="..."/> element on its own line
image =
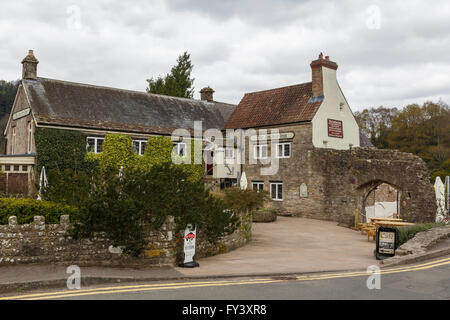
<point x="424" y="240"/>
<point x="233" y="241"/>
<point x="50" y="243"/>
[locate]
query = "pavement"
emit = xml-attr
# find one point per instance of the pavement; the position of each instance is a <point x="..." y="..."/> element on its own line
<point x="287" y="246"/>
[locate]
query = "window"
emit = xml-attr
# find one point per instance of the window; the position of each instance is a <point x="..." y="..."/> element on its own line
<point x="94" y="144"/>
<point x="276" y="191"/>
<point x="30" y="136"/>
<point x="7" y="167"/>
<point x="258" y="186"/>
<point x="139" y="146"/>
<point x="13" y="144"/>
<point x="24" y="168"/>
<point x="229" y="153"/>
<point x="16" y="167"/>
<point x="260" y="151"/>
<point x="284" y="150"/>
<point x="180" y="148"/>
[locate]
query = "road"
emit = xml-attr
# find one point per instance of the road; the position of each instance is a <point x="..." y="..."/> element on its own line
<point x="426" y="280"/>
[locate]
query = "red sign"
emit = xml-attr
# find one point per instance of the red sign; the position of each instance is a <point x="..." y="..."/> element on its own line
<point x="190" y="236"/>
<point x="335" y="128"/>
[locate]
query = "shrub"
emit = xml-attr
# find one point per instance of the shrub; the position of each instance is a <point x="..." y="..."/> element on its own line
<point x="26" y="209"/>
<point x="408" y="232"/>
<point x="121" y="206"/>
<point x="243" y="200"/>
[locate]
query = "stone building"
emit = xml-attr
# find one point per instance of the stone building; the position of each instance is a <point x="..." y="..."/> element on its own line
<point x="303" y="145"/>
<point x="95" y="110"/>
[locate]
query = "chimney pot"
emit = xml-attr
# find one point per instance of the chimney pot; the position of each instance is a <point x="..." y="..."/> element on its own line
<point x="317" y="73"/>
<point x="206" y="94"/>
<point x="29" y="66"/>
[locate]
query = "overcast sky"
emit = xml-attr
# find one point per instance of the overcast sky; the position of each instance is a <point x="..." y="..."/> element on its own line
<point x="389" y="53"/>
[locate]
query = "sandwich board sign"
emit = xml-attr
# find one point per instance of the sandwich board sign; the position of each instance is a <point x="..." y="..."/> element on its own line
<point x="190" y="236"/>
<point x="387" y="242"/>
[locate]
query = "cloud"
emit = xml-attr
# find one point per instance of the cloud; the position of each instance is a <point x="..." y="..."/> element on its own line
<point x="237" y="46"/>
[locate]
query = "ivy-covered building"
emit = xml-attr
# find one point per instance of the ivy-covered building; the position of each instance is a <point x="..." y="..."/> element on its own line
<point x="95" y="111"/>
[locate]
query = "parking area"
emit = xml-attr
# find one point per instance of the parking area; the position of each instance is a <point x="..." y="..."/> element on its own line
<point x="292" y="245"/>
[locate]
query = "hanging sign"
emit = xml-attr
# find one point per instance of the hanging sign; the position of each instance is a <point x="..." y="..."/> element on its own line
<point x="189" y="247"/>
<point x="387" y="242"/>
<point x="335" y="128"/>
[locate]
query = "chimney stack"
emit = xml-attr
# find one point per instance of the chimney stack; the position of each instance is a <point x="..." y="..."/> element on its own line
<point x="29" y="66"/>
<point x="206" y="94"/>
<point x="317" y="73"/>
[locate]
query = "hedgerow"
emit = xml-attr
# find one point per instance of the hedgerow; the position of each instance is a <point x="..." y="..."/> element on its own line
<point x="25" y="209"/>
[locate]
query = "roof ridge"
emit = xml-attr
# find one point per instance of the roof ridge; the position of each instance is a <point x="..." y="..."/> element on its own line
<point x="119" y="89"/>
<point x="273" y="89"/>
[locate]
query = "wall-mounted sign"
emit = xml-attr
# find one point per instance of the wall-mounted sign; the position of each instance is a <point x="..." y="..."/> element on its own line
<point x="21" y="113"/>
<point x="303" y="190"/>
<point x="387" y="242"/>
<point x="273" y="136"/>
<point x="335" y="128"/>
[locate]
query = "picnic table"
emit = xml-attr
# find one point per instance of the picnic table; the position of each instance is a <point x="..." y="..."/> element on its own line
<point x="373" y="220"/>
<point x="393" y="223"/>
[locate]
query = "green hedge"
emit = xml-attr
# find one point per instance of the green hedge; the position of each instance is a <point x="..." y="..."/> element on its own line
<point x="25" y="209"/>
<point x="408" y="232"/>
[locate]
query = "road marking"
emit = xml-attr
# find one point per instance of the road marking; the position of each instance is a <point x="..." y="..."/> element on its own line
<point x="194" y="284"/>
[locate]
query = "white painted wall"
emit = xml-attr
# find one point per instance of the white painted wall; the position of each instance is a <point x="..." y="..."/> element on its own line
<point x="330" y="109"/>
<point x="381" y="210"/>
<point x="225" y="168"/>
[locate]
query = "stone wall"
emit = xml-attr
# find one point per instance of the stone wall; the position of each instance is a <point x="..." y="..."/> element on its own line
<point x="338" y="181"/>
<point x="50" y="243"/>
<point x="350" y="175"/>
<point x="233" y="241"/>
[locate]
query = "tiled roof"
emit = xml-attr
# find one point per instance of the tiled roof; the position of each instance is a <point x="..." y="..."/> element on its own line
<point x="69" y="104"/>
<point x="274" y="107"/>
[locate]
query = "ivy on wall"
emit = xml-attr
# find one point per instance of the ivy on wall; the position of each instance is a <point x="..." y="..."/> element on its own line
<point x="60" y="149"/>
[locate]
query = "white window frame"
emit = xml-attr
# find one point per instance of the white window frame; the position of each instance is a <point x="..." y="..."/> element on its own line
<point x="257" y="151"/>
<point x="30" y="136"/>
<point x="277" y="185"/>
<point x="140" y="142"/>
<point x="283" y="145"/>
<point x="95" y="142"/>
<point x="177" y="145"/>
<point x="257" y="184"/>
<point x="229" y="153"/>
<point x="13" y="142"/>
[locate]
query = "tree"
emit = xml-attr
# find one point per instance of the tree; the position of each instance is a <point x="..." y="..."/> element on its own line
<point x="178" y="83"/>
<point x="376" y="123"/>
<point x="8" y="90"/>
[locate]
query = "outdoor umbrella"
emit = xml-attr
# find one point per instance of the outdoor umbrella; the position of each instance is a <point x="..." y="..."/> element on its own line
<point x="243" y="181"/>
<point x="43" y="182"/>
<point x="440" y="199"/>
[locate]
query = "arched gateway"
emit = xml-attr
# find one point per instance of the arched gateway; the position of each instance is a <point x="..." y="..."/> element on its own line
<point x="348" y="176"/>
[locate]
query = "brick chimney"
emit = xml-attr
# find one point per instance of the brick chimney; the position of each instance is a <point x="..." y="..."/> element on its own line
<point x="29" y="66"/>
<point x="317" y="73"/>
<point x="207" y="94"/>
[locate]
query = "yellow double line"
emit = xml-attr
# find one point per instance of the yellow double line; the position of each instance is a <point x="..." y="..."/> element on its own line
<point x="196" y="284"/>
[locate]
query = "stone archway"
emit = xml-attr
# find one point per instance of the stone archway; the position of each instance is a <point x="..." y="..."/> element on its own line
<point x="348" y="175"/>
<point x="371" y="200"/>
